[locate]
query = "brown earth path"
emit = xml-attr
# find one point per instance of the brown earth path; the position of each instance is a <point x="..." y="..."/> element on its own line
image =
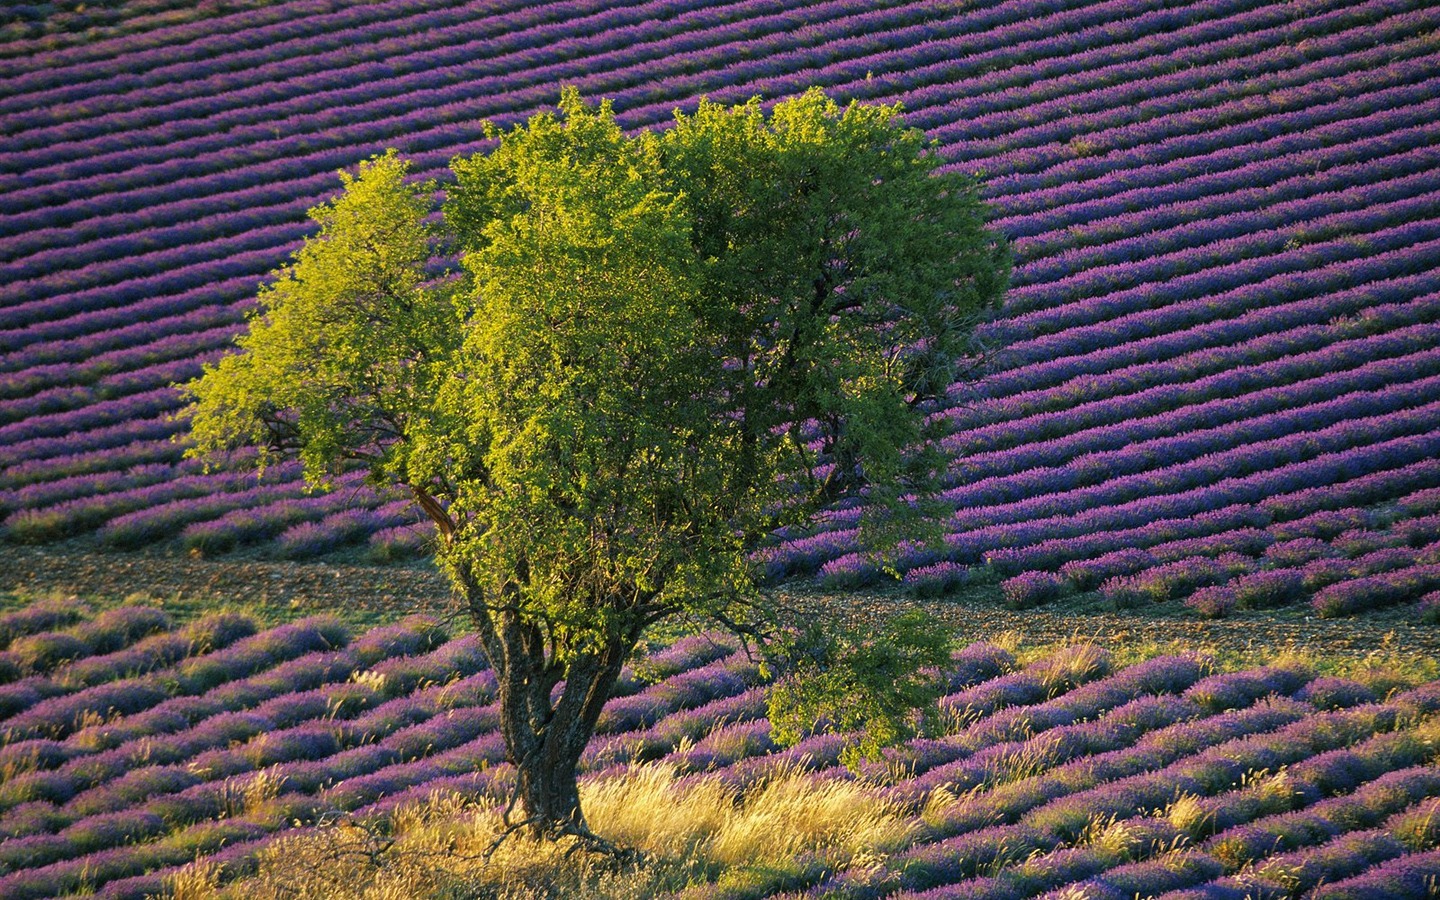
<point x="368" y="592"/>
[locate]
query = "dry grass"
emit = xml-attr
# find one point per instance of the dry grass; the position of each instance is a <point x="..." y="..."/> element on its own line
<point x="697" y="835"/>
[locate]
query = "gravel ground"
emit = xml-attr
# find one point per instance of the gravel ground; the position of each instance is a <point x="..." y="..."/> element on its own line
<point x="367" y="592"/>
<point x="354" y="591"/>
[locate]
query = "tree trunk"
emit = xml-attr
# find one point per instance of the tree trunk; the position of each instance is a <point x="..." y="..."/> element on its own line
<point x="544" y="738"/>
<point x="549" y="798"/>
<point x="546" y="732"/>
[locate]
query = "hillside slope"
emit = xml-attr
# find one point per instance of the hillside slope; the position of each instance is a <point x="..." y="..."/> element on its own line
<point x="1216" y="375"/>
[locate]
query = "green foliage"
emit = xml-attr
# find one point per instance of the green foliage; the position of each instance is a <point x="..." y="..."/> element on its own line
<point x="660" y="349"/>
<point x="590" y="398"/>
<point x="350" y="343"/>
<point x="841" y="274"/>
<point x="879" y="687"/>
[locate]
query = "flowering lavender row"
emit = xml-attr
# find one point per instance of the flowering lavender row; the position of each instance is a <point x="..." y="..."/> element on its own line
<point x="579" y="28"/>
<point x="44" y="616"/>
<point x="1087" y="574"/>
<point x="1148" y="525"/>
<point x="1117" y="262"/>
<point x="401" y="543"/>
<point x="1017" y="736"/>
<point x="108" y="372"/>
<point x="55" y="390"/>
<point x="1148" y="837"/>
<point x="1361" y="787"/>
<point x="1387" y="573"/>
<point x="1406" y="585"/>
<point x="1190" y="135"/>
<point x="1052" y="441"/>
<point x="1151" y="388"/>
<point x="107" y="71"/>
<point x="358" y="729"/>
<point x="1033" y="40"/>
<point x="61" y="715"/>
<point x="84" y="772"/>
<point x="1117" y="114"/>
<point x="315" y="726"/>
<point x="1027" y="209"/>
<point x="1177" y="36"/>
<point x="1388" y="310"/>
<point x="1211" y="35"/>
<point x="499" y="95"/>
<point x="318" y="693"/>
<point x="1158" y="158"/>
<point x="721" y="678"/>
<point x="152" y="373"/>
<point x="390" y="40"/>
<point x="252" y="265"/>
<point x="1140" y="311"/>
<point x="114" y="273"/>
<point x="158" y="651"/>
<point x="186" y="311"/>
<point x="137" y="453"/>
<point x="1413" y="874"/>
<point x="58" y="490"/>
<point x="305" y="540"/>
<point x="252" y="523"/>
<point x="24" y="667"/>
<point x="1215" y="767"/>
<point x="1172" y="580"/>
<point x="622" y="92"/>
<point x="87" y="512"/>
<point x="390" y="748"/>
<point x="1036" y="10"/>
<point x="95" y="240"/>
<point x="196" y="803"/>
<point x="1291" y="454"/>
<point x="1245" y="436"/>
<point x="981" y="828"/>
<point x="19" y="41"/>
<point x="130" y="369"/>
<point x="1037" y="682"/>
<point x="309" y="105"/>
<point x="1089" y="226"/>
<point x="156" y="523"/>
<point x="111" y="55"/>
<point x="1135" y="92"/>
<point x="1367" y="806"/>
<point x="96" y="415"/>
<point x="1332" y="840"/>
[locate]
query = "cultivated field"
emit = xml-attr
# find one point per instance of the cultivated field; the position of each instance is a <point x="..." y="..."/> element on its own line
<point x="131" y="744"/>
<point x="1215" y="377"/>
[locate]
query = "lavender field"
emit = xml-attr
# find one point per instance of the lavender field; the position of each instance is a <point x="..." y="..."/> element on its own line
<point x="1215" y="378"/>
<point x="130" y="745"/>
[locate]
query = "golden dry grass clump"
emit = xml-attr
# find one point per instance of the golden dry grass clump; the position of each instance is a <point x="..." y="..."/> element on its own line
<point x="697" y="835"/>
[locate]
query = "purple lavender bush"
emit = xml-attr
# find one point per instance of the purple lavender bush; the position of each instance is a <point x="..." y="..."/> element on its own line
<point x="1033" y="589"/>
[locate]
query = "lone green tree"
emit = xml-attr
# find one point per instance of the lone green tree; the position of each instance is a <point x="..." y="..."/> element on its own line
<point x="659" y="349"/>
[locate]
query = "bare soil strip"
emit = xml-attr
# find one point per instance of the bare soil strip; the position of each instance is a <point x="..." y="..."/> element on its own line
<point x="354" y="589"/>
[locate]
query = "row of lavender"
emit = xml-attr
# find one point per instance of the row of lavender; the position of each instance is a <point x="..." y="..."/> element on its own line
<point x="130" y="746"/>
<point x="1219" y="328"/>
<point x="1224" y="213"/>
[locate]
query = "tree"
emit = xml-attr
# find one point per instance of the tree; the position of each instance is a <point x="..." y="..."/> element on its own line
<point x="660" y="349"/>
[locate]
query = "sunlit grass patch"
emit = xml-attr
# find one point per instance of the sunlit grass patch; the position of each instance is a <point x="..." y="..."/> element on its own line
<point x="698" y="836"/>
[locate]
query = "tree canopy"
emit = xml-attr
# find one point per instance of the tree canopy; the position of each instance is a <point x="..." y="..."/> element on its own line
<point x="658" y="350"/>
